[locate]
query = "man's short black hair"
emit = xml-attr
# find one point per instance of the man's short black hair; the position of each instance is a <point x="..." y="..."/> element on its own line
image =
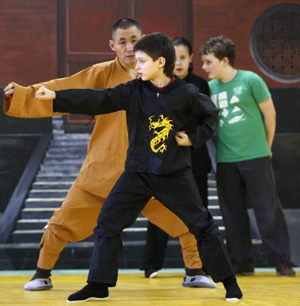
<point x="158" y="45"/>
<point x="125" y="23"/>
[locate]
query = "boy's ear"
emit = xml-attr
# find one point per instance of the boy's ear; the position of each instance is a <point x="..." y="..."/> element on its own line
<point x="112" y="44"/>
<point x="226" y="60"/>
<point x="161" y="62"/>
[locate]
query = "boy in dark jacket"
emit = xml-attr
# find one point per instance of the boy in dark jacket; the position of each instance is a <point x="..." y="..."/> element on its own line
<point x="164" y="116"/>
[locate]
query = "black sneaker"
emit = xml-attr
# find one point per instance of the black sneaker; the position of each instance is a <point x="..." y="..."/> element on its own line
<point x="233" y="291"/>
<point x="246" y="270"/>
<point x="285" y="269"/>
<point x="151" y="273"/>
<point x="86" y="294"/>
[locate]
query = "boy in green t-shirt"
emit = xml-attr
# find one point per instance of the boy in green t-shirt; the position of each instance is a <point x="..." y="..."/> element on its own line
<point x="245" y="130"/>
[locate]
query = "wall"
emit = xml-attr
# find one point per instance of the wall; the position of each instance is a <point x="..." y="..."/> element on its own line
<point x="28" y="41"/>
<point x="233" y="19"/>
<point x="28" y="35"/>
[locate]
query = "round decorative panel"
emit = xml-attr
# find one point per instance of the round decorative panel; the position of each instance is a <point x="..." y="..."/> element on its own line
<point x="275" y="42"/>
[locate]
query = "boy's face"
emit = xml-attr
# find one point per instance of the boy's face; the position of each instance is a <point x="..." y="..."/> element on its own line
<point x="183" y="60"/>
<point x="212" y="66"/>
<point x="122" y="43"/>
<point x="146" y="67"/>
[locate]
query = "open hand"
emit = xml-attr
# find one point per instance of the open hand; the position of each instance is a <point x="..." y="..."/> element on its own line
<point x="9" y="90"/>
<point x="45" y="94"/>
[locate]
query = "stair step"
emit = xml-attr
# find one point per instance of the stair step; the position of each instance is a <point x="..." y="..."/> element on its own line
<point x="43" y="203"/>
<point x="212" y="184"/>
<point x="52" y="185"/>
<point x="48" y="193"/>
<point x="37" y="213"/>
<point x="54" y="168"/>
<point x="31" y="231"/>
<point x="55" y="177"/>
<point x="63" y="162"/>
<point x="75" y="136"/>
<point x="62" y="155"/>
<point x="69" y="143"/>
<point x="70" y="149"/>
<point x="36" y="235"/>
<point x="212" y="191"/>
<point x="63" y="173"/>
<point x="31" y="224"/>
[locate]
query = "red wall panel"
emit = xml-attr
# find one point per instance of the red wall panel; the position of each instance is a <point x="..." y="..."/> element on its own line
<point x="28" y="41"/>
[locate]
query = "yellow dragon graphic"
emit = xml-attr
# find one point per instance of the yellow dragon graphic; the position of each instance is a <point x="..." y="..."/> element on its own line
<point x="157" y="143"/>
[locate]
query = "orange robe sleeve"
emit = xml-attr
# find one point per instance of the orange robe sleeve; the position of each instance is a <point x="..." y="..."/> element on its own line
<point x="24" y="104"/>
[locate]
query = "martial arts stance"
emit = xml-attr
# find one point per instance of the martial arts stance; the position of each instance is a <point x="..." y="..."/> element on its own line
<point x="104" y="163"/>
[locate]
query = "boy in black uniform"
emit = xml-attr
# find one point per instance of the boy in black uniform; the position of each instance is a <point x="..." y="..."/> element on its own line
<point x="164" y="117"/>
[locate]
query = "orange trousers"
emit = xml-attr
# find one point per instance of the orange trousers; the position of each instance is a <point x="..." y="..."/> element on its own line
<point x="77" y="218"/>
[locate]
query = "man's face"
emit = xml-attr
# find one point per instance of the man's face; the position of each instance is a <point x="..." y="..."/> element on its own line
<point x="122" y="43"/>
<point x="212" y="66"/>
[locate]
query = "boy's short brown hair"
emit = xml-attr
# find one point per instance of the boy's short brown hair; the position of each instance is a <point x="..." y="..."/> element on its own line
<point x="220" y="47"/>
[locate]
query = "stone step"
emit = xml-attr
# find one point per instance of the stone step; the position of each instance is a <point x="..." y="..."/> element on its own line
<point x="43" y="203"/>
<point x="68" y="143"/>
<point x="64" y="168"/>
<point x="212" y="184"/>
<point x="48" y="193"/>
<point x="54" y="192"/>
<point x="64" y="173"/>
<point x="37" y="213"/>
<point x="31" y="230"/>
<point x="58" y="162"/>
<point x="43" y="176"/>
<point x="25" y="236"/>
<point x="212" y="191"/>
<point x="31" y="224"/>
<point x="70" y="149"/>
<point x="65" y="155"/>
<point x="52" y="185"/>
<point x="38" y="224"/>
<point x="75" y="136"/>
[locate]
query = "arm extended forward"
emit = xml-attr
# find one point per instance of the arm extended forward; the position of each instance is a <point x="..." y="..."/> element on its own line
<point x="82" y="101"/>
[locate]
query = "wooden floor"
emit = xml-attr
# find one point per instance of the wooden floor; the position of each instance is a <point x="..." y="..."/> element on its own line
<point x="263" y="289"/>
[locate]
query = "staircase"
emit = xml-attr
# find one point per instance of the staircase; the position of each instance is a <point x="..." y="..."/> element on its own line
<point x="58" y="171"/>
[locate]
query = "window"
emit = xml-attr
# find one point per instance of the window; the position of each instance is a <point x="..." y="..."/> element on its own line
<point x="275" y="43"/>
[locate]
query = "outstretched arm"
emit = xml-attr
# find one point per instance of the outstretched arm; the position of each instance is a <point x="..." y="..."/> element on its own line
<point x="87" y="101"/>
<point x="20" y="101"/>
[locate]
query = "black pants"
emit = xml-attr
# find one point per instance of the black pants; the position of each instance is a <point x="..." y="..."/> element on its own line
<point x="178" y="192"/>
<point x="157" y="239"/>
<point x="252" y="183"/>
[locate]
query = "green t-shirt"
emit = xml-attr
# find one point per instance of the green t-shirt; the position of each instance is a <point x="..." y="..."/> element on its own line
<point x="240" y="127"/>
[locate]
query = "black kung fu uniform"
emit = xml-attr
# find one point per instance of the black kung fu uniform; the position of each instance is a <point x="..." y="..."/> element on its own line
<point x="155" y="166"/>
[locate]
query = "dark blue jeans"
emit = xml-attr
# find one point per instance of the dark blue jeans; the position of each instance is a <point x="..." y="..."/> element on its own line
<point x="252" y="183"/>
<point x="179" y="193"/>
